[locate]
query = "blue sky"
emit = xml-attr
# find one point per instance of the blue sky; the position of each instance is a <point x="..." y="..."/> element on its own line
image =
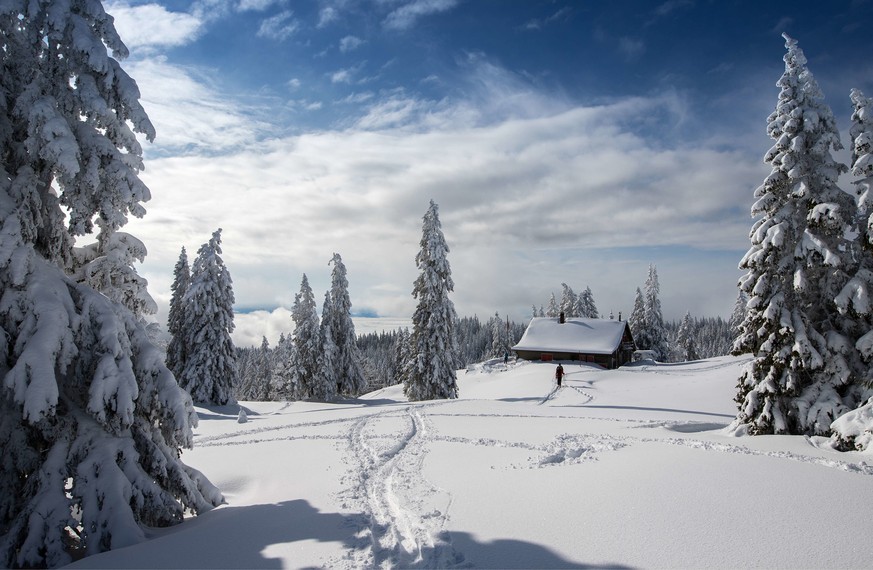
<point x="571" y="142"/>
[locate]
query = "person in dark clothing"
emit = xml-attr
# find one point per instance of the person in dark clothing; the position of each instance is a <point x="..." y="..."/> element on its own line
<point x="559" y="374"/>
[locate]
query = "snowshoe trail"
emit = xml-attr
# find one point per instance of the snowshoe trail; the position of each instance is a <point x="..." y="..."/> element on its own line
<point x="404" y="515"/>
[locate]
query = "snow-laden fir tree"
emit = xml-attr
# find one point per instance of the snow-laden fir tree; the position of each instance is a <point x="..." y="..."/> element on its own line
<point x="739" y="313"/>
<point x="553" y="310"/>
<point x="210" y="370"/>
<point x="685" y="339"/>
<point x="568" y="301"/>
<point x="796" y="267"/>
<point x="326" y="381"/>
<point x="854" y="429"/>
<point x="654" y="319"/>
<point x="107" y="267"/>
<point x="434" y="345"/>
<point x="306" y="341"/>
<point x="637" y="322"/>
<point x="256" y="382"/>
<point x="286" y="383"/>
<point x="176" y="352"/>
<point x="403" y="357"/>
<point x="91" y="421"/>
<point x="350" y="379"/>
<point x="500" y="341"/>
<point x="585" y="306"/>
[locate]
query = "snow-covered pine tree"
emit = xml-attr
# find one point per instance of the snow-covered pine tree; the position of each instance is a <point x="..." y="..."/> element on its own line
<point x="585" y="306"/>
<point x="433" y="336"/>
<point x="685" y="339"/>
<point x="854" y="429"/>
<point x="91" y="421"/>
<point x="654" y="319"/>
<point x="795" y="269"/>
<point x="637" y="322"/>
<point x="210" y="367"/>
<point x="107" y="266"/>
<point x="500" y="342"/>
<point x="176" y="320"/>
<point x="286" y="383"/>
<point x="403" y="358"/>
<point x="255" y="383"/>
<point x="306" y="340"/>
<point x="568" y="301"/>
<point x="326" y="382"/>
<point x="738" y="314"/>
<point x="552" y="311"/>
<point x="350" y="378"/>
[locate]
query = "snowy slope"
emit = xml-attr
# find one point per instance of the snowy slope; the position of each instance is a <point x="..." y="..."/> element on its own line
<point x="625" y="468"/>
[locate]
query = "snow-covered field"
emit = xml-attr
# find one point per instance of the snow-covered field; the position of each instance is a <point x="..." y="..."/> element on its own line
<point x="626" y="468"/>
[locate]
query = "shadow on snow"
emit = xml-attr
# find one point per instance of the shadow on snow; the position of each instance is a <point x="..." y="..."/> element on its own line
<point x="241" y="537"/>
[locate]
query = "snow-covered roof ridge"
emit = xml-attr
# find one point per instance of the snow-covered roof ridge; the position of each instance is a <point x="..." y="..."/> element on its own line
<point x="592" y="336"/>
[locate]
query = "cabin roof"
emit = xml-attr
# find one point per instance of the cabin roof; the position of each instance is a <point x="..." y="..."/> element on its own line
<point x="576" y="335"/>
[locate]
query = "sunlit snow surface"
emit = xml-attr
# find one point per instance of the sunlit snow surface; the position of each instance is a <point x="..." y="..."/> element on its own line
<point x="625" y="468"/>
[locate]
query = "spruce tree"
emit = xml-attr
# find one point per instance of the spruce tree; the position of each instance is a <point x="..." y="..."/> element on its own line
<point x="210" y="370"/>
<point x="306" y="341"/>
<point x="500" y="342"/>
<point x="350" y="379"/>
<point x="569" y="301"/>
<point x="176" y="352"/>
<point x="433" y="374"/>
<point x="685" y="339"/>
<point x="286" y="383"/>
<point x="637" y="322"/>
<point x="738" y="314"/>
<point x="403" y="360"/>
<point x="654" y="320"/>
<point x="326" y="382"/>
<point x="107" y="266"/>
<point x="553" y="310"/>
<point x="585" y="306"/>
<point x="854" y="429"/>
<point x="92" y="422"/>
<point x="255" y="385"/>
<point x="795" y="269"/>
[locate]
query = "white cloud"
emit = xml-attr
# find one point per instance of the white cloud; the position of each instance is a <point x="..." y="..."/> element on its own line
<point x="346" y="75"/>
<point x="526" y="203"/>
<point x="357" y="98"/>
<point x="350" y="43"/>
<point x="256" y="5"/>
<point x="188" y="113"/>
<point x="533" y="191"/>
<point x="152" y="25"/>
<point x="406" y="16"/>
<point x="327" y="15"/>
<point x="279" y="27"/>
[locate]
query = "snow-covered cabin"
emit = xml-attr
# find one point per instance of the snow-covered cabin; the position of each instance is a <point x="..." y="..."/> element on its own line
<point x="606" y="342"/>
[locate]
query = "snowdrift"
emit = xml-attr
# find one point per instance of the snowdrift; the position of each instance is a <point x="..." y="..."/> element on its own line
<point x="622" y="468"/>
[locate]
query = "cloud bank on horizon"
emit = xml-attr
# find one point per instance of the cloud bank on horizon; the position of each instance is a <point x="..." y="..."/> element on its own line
<point x="563" y="142"/>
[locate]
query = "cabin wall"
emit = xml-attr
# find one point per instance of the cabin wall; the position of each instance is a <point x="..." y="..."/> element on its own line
<point x="606" y="360"/>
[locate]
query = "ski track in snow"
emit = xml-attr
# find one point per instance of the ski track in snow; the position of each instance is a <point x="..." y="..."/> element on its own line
<point x="401" y="516"/>
<point x="404" y="515"/>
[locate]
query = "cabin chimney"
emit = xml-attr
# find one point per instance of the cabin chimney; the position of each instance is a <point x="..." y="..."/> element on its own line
<point x="561" y="318"/>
